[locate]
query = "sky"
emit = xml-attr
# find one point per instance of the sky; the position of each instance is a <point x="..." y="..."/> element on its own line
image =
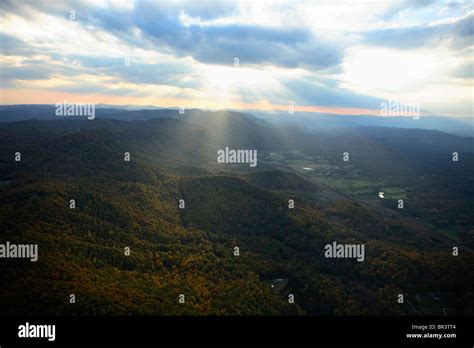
<point x="329" y="56"/>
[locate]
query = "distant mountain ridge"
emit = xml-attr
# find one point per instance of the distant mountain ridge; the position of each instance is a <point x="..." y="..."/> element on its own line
<point x="307" y="121"/>
<point x="315" y="122"/>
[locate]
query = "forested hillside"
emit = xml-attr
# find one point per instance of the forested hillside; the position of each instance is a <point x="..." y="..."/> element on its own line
<point x="191" y="249"/>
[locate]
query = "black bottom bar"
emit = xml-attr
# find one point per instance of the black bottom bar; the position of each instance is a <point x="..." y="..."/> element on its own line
<point x="238" y="330"/>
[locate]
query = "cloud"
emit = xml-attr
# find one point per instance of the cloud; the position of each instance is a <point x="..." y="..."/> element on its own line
<point x="12" y="46"/>
<point x="160" y="27"/>
<point x="464" y="71"/>
<point x="399" y="7"/>
<point x="253" y="45"/>
<point x="457" y="34"/>
<point x="307" y="92"/>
